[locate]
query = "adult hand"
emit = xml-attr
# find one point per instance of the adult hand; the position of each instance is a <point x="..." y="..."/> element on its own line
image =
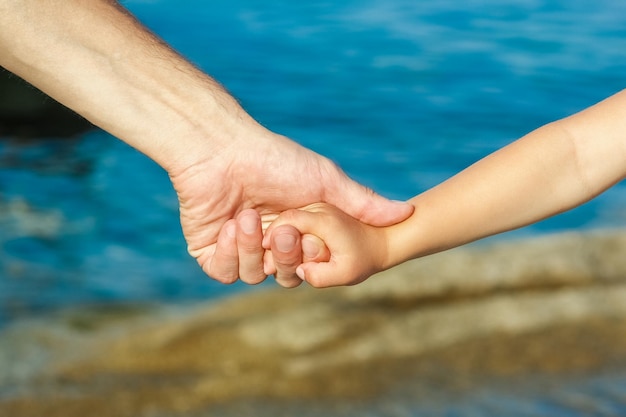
<point x="268" y="174"/>
<point x="98" y="60"/>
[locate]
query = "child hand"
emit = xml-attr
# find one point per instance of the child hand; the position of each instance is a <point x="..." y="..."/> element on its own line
<point x="357" y="251"/>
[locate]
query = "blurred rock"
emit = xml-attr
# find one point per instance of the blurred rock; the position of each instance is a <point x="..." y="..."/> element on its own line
<point x="26" y="112"/>
<point x="443" y="324"/>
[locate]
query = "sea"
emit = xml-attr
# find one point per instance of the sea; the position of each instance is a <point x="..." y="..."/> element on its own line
<point x="401" y="94"/>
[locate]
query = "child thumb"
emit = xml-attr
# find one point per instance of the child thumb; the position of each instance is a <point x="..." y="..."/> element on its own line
<point x="319" y="274"/>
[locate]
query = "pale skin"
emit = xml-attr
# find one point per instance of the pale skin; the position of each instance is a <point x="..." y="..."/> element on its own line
<point x="550" y="170"/>
<point x="229" y="171"/>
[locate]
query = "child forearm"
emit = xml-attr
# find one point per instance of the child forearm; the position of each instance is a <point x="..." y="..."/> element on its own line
<point x="555" y="168"/>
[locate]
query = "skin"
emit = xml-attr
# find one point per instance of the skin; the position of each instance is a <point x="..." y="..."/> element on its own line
<point x="552" y="169"/>
<point x="229" y="172"/>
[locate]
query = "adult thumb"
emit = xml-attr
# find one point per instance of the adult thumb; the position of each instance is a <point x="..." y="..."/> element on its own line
<point x="365" y="205"/>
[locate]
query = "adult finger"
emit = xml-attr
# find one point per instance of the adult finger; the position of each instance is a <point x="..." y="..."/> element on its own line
<point x="249" y="238"/>
<point x="287" y="255"/>
<point x="315" y="267"/>
<point x="313" y="250"/>
<point x="223" y="266"/>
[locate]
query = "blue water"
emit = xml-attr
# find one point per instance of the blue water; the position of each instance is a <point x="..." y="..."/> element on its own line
<point x="401" y="94"/>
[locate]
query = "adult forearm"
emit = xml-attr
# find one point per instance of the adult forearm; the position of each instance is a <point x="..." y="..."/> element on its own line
<point x="95" y="58"/>
<point x="551" y="170"/>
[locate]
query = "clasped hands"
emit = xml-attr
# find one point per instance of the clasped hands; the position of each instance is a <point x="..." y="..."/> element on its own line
<point x="242" y="252"/>
<point x="318" y="244"/>
<point x="227" y="197"/>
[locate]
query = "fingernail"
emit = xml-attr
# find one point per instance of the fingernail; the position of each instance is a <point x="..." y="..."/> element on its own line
<point x="249" y="224"/>
<point x="300" y="273"/>
<point x="310" y="249"/>
<point x="285" y="242"/>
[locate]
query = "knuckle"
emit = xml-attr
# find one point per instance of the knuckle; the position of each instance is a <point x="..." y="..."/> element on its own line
<point x="248" y="244"/>
<point x="229" y="280"/>
<point x="253" y="278"/>
<point x="290" y="281"/>
<point x="223" y="276"/>
<point x="249" y="247"/>
<point x="287" y="263"/>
